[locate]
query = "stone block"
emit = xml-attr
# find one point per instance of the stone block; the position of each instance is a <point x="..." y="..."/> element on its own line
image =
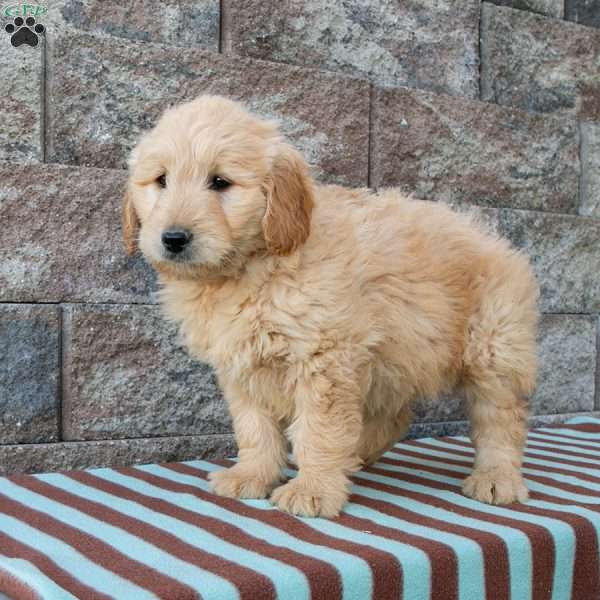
<point x="539" y="64"/>
<point x="590" y="170"/>
<point x="458" y="150"/>
<point x="174" y="22"/>
<point x="21" y="83"/>
<point x="102" y="101"/>
<point x="126" y="376"/>
<point x="565" y="255"/>
<point x="551" y="8"/>
<point x="584" y="12"/>
<point x="44" y="458"/>
<point x="61" y="237"/>
<point x="567" y="365"/>
<point x="29" y="373"/>
<point x="429" y="44"/>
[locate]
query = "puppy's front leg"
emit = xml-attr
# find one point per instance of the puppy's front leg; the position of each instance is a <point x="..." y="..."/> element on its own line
<point x="325" y="436"/>
<point x="262" y="450"/>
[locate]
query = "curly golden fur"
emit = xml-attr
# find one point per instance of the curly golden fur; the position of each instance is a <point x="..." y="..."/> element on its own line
<point x="327" y="312"/>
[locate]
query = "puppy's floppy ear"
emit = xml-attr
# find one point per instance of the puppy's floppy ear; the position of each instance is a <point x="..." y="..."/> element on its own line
<point x="290" y="200"/>
<point x="130" y="223"/>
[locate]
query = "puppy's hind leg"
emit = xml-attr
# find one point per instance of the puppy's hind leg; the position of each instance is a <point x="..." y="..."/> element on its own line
<point x="500" y="363"/>
<point x="499" y="432"/>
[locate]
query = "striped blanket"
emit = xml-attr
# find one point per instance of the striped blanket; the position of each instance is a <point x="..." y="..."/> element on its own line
<point x="155" y="531"/>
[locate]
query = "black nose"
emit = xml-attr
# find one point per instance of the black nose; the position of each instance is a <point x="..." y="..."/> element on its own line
<point x="175" y="240"/>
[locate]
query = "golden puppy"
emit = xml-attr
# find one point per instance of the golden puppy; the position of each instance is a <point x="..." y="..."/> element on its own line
<point x="326" y="312"/>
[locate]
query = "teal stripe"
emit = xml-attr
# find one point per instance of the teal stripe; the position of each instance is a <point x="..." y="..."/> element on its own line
<point x="558" y="454"/>
<point x="517" y="543"/>
<point x="526" y="471"/>
<point x="287" y="580"/>
<point x="561" y="532"/>
<point x="533" y="485"/>
<point x="583" y="435"/>
<point x="583" y="421"/>
<point x="446" y="452"/>
<point x="560" y="449"/>
<point x="30" y="575"/>
<point x="67" y="557"/>
<point x="416" y="569"/>
<point x="591" y="516"/>
<point x="414" y="561"/>
<point x="355" y="573"/>
<point x="561" y="440"/>
<point x="133" y="546"/>
<point x="468" y="552"/>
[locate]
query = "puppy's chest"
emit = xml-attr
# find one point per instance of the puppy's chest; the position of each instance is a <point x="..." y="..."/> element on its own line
<point x="237" y="335"/>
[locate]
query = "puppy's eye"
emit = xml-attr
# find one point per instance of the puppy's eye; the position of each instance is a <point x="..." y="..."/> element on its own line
<point x="218" y="183"/>
<point x="162" y="181"/>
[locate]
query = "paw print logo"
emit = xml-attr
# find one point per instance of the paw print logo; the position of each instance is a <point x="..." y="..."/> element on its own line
<point x="24" y="32"/>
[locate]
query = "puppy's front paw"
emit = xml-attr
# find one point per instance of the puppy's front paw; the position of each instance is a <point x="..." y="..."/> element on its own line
<point x="498" y="485"/>
<point x="299" y="497"/>
<point x="240" y="482"/>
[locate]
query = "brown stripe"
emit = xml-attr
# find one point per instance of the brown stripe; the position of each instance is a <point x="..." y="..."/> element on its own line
<point x="323" y="578"/>
<point x="550" y="447"/>
<point x="574" y="488"/>
<point x="470" y="456"/>
<point x="579" y="442"/>
<point x="535" y="453"/>
<point x="565" y="438"/>
<point x="443" y="579"/>
<point x="93" y="548"/>
<point x="586" y="427"/>
<point x="493" y="547"/>
<point x="387" y="572"/>
<point x="586" y="574"/>
<point x="554" y="458"/>
<point x="15" y="588"/>
<point x="442" y="558"/>
<point x="16" y="549"/>
<point x="532" y="453"/>
<point x="238" y="575"/>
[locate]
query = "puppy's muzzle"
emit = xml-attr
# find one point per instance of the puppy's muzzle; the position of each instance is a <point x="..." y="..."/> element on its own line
<point x="176" y="240"/>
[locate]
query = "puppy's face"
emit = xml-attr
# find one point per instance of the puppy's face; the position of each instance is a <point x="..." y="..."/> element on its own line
<point x="210" y="186"/>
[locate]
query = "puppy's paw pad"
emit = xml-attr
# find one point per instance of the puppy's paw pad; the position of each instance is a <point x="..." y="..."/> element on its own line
<point x="298" y="498"/>
<point x="496" y="486"/>
<point x="237" y="483"/>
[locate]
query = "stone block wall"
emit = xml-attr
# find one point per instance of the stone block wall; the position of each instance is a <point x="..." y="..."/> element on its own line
<point x="493" y="107"/>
